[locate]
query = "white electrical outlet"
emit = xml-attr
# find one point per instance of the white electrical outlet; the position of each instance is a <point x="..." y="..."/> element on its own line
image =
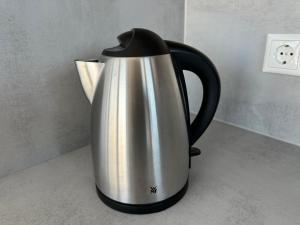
<point x="282" y="54"/>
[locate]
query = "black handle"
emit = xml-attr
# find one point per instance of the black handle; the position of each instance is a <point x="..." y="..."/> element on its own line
<point x="187" y="58"/>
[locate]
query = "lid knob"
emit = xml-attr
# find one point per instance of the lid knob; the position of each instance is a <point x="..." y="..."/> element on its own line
<point x="138" y="43"/>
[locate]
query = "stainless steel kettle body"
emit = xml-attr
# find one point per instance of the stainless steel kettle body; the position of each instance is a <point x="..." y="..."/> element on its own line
<point x="141" y="133"/>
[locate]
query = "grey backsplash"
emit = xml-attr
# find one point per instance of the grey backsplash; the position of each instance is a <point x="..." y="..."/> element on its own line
<point x="43" y="110"/>
<point x="233" y="34"/>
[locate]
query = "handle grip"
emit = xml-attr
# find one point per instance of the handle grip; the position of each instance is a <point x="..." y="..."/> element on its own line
<point x="188" y="58"/>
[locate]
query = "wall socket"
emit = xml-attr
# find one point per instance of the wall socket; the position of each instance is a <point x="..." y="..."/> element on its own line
<point x="282" y="54"/>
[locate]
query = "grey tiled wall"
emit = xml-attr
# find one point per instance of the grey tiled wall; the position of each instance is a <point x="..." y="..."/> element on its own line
<point x="233" y="34"/>
<point x="43" y="111"/>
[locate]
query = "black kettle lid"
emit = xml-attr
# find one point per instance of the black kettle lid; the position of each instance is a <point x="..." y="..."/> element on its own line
<point x="138" y="42"/>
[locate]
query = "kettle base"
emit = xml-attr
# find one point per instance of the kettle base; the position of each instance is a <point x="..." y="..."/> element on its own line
<point x="143" y="208"/>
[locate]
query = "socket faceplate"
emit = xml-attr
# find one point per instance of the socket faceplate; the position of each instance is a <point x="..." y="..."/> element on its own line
<point x="282" y="54"/>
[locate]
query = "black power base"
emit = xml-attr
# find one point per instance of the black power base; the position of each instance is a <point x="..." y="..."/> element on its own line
<point x="143" y="208"/>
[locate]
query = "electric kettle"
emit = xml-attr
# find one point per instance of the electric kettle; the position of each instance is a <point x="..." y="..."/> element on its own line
<point x="141" y="131"/>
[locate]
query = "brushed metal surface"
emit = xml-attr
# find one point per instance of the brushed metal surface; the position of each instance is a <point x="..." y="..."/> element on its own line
<point x="89" y="73"/>
<point x="139" y="134"/>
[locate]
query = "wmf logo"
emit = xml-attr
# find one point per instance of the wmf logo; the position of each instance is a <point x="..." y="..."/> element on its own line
<point x="153" y="190"/>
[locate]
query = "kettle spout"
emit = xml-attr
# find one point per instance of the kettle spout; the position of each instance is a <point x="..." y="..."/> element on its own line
<point x="89" y="73"/>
